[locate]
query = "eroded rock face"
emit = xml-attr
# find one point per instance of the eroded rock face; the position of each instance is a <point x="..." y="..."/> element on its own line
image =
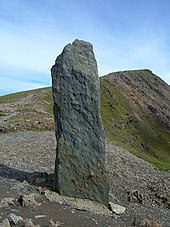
<point x="80" y="159"/>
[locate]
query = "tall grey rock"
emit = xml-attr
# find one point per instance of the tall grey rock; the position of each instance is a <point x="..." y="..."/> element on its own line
<point x="80" y="152"/>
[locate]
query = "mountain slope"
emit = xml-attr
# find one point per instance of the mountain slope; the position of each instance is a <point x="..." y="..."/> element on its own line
<point x="28" y="110"/>
<point x="135" y="109"/>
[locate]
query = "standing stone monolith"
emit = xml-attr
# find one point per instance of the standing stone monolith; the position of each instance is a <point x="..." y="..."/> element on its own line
<point x="80" y="152"/>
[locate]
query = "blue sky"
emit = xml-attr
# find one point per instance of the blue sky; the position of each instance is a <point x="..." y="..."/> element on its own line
<point x="126" y="34"/>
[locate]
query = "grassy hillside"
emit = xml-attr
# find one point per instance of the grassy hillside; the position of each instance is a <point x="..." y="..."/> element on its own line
<point x="136" y="116"/>
<point x="135" y="109"/>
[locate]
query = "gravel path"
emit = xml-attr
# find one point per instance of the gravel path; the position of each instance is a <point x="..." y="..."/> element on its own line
<point x="134" y="183"/>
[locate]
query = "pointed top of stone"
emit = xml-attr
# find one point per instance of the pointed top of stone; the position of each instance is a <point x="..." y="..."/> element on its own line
<point x="79" y="56"/>
<point x="79" y="44"/>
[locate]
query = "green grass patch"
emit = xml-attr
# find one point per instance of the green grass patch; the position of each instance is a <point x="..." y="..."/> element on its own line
<point x="161" y="165"/>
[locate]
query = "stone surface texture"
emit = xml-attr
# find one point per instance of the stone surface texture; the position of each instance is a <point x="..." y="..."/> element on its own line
<point x="80" y="159"/>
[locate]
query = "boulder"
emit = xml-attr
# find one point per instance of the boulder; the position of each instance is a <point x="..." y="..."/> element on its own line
<point x="52" y="224"/>
<point x="145" y="222"/>
<point x="136" y="196"/>
<point x="14" y="219"/>
<point x="117" y="209"/>
<point x="6" y="202"/>
<point x="5" y="223"/>
<point x="29" y="200"/>
<point x="80" y="152"/>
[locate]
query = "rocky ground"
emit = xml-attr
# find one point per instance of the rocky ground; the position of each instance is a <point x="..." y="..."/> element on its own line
<point x="134" y="184"/>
